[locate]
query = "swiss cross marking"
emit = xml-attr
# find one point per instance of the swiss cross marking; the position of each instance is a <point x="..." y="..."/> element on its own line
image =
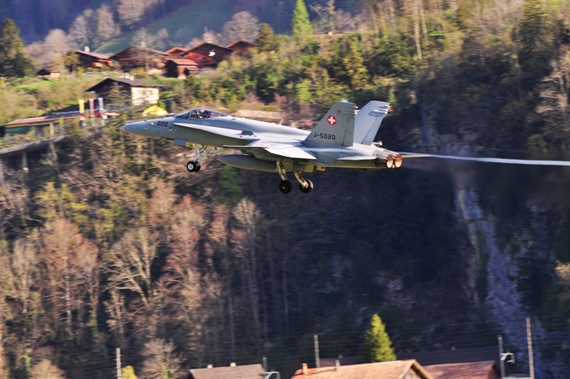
<point x="331" y="120"/>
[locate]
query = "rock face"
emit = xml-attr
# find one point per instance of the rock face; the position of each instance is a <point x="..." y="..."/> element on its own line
<point x="500" y="261"/>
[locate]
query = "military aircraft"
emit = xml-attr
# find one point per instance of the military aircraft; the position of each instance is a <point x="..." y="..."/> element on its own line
<point x="344" y="138"/>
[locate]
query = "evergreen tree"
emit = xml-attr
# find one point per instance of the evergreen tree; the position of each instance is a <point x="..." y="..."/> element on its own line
<point x="267" y="40"/>
<point x="300" y="23"/>
<point x="13" y="62"/>
<point x="354" y="66"/>
<point x="377" y="344"/>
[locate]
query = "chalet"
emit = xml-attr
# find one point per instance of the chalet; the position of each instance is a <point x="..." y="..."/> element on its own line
<point x="469" y="370"/>
<point x="48" y="73"/>
<point x="140" y="91"/>
<point x="231" y="372"/>
<point x="176" y="51"/>
<point x="137" y="57"/>
<point x="88" y="59"/>
<point x="208" y="55"/>
<point x="380" y="370"/>
<point x="241" y="47"/>
<point x="181" y="68"/>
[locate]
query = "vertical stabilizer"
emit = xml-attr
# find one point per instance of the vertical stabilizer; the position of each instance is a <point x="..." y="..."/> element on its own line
<point x="368" y="120"/>
<point x="336" y="128"/>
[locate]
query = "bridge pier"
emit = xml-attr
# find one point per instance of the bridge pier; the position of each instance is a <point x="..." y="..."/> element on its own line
<point x="25" y="162"/>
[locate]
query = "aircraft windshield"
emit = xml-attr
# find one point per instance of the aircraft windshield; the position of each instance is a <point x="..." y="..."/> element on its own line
<point x="201" y="113"/>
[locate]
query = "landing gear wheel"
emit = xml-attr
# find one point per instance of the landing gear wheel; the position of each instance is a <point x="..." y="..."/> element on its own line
<point x="193" y="166"/>
<point x="307" y="189"/>
<point x="285" y="186"/>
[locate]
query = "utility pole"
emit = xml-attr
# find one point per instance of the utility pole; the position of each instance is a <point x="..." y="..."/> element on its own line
<point x="119" y="373"/>
<point x="529" y="343"/>
<point x="317" y="359"/>
<point x="501" y="357"/>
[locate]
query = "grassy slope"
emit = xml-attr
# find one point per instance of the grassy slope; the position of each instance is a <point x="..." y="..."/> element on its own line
<point x="212" y="14"/>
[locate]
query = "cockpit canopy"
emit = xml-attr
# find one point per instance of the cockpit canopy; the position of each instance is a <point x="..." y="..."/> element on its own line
<point x="199" y="113"/>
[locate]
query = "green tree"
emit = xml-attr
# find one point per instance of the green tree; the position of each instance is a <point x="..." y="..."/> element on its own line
<point x="300" y="23"/>
<point x="267" y="41"/>
<point x="354" y="65"/>
<point x="377" y="344"/>
<point x="128" y="373"/>
<point x="13" y="62"/>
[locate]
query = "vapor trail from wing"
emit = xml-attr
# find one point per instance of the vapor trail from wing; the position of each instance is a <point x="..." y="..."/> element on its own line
<point x="528" y="162"/>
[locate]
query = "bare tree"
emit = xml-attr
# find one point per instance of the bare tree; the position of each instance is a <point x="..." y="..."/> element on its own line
<point x="130" y="11"/>
<point x="83" y="30"/>
<point x="106" y="26"/>
<point x="160" y="361"/>
<point x="563" y="273"/>
<point x="242" y="26"/>
<point x="115" y="308"/>
<point x="129" y="264"/>
<point x="248" y="217"/>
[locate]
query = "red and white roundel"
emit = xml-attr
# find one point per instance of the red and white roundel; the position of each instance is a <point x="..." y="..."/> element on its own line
<point x="331" y="120"/>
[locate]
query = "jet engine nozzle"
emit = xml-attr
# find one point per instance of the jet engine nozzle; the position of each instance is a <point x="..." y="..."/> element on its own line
<point x="398" y="160"/>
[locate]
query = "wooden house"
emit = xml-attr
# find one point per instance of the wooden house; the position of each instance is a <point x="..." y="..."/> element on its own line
<point x="140" y="91"/>
<point x="468" y="370"/>
<point x="241" y="47"/>
<point x="379" y="370"/>
<point x="89" y="59"/>
<point x="181" y="68"/>
<point x="231" y="372"/>
<point x="140" y="57"/>
<point x="208" y="55"/>
<point x="48" y="73"/>
<point x="176" y="51"/>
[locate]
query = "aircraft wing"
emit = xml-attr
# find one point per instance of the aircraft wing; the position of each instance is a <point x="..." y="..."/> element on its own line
<point x="234" y="133"/>
<point x="528" y="162"/>
<point x="283" y="150"/>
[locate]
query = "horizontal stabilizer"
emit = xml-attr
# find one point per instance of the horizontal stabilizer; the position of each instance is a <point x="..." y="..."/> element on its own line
<point x="358" y="158"/>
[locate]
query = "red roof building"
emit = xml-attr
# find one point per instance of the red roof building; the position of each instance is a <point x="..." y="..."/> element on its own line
<point x="208" y="54"/>
<point x="380" y="370"/>
<point x="181" y="68"/>
<point x="88" y="59"/>
<point x="176" y="51"/>
<point x="469" y="370"/>
<point x="135" y="57"/>
<point x="241" y="47"/>
<point x="231" y="372"/>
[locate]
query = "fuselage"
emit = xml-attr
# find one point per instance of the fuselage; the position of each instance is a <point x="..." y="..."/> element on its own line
<point x="223" y="130"/>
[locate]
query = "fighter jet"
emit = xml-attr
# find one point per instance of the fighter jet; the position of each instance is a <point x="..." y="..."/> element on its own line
<point x="344" y="138"/>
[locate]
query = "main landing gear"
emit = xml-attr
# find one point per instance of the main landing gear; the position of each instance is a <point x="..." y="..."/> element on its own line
<point x="285" y="185"/>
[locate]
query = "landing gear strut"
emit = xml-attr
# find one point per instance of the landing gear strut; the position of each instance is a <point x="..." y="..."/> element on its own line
<point x="285" y="185"/>
<point x="305" y="185"/>
<point x="194" y="166"/>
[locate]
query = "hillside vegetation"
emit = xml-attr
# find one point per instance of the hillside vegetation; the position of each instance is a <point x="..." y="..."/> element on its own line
<point x="110" y="243"/>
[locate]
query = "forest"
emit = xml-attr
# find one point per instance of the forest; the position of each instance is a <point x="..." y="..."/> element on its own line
<point x="109" y="243"/>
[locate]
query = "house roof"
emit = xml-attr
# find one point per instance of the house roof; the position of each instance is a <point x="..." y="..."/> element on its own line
<point x="94" y="55"/>
<point x="241" y="41"/>
<point x="139" y="48"/>
<point x="235" y="372"/>
<point x="378" y="370"/>
<point x="176" y="50"/>
<point x="210" y="45"/>
<point x="453" y="356"/>
<point x="131" y="83"/>
<point x="183" y="61"/>
<point x="469" y="370"/>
